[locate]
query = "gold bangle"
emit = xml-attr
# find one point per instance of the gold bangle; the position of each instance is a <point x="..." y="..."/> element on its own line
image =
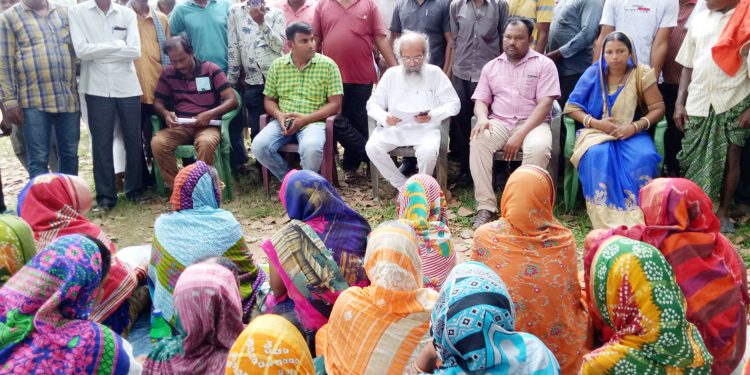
<point x="637" y="129"/>
<point x="587" y="121"/>
<point x="648" y="122"/>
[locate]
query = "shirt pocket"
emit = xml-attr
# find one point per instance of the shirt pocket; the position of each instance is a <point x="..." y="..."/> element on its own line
<point x="360" y="23"/>
<point x="488" y="27"/>
<point x="529" y="82"/>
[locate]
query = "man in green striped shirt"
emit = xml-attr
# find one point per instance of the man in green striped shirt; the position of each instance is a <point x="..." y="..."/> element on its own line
<point x="302" y="89"/>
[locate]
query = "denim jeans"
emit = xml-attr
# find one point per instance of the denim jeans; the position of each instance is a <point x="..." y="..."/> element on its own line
<point x="252" y="99"/>
<point x="37" y="131"/>
<point x="311" y="139"/>
<point x="101" y="116"/>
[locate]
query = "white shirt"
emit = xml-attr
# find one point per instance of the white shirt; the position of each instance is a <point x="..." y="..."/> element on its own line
<point x="107" y="45"/>
<point x="710" y="86"/>
<point x="641" y="19"/>
<point x="395" y="94"/>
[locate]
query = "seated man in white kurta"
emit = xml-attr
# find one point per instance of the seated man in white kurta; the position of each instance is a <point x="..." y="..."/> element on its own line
<point x="409" y="103"/>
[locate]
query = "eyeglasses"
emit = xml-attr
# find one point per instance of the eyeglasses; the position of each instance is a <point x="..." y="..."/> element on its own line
<point x="414" y="58"/>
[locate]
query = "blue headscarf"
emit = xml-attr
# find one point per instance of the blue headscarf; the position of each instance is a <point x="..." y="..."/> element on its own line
<point x="591" y="92"/>
<point x="197" y="228"/>
<point x="472" y="328"/>
<point x="309" y="197"/>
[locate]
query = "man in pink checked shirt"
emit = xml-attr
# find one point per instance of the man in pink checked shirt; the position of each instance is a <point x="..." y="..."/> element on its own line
<point x="512" y="104"/>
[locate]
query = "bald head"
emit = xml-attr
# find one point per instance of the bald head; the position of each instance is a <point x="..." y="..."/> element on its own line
<point x="412" y="49"/>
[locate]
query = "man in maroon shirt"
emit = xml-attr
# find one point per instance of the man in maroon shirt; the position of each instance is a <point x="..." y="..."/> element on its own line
<point x="347" y="31"/>
<point x="200" y="92"/>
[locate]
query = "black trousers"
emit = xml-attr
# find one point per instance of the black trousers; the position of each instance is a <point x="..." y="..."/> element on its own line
<point x="350" y="129"/>
<point x="673" y="136"/>
<point x="102" y="112"/>
<point x="2" y="197"/>
<point x="461" y="124"/>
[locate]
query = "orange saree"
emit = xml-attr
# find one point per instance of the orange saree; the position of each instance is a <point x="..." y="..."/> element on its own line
<point x="536" y="256"/>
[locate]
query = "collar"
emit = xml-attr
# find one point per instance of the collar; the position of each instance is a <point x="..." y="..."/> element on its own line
<point x="113" y="6"/>
<point x="148" y="15"/>
<point x="192" y="2"/>
<point x="289" y="60"/>
<point x="196" y="70"/>
<point x="729" y="13"/>
<point x="529" y="55"/>
<point x="307" y="4"/>
<point x="244" y="6"/>
<point x="52" y="7"/>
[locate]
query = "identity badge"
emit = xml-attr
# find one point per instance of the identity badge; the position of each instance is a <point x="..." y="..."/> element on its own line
<point x="203" y="84"/>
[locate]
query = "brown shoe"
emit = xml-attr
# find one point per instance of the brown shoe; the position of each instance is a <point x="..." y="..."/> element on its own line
<point x="483" y="217"/>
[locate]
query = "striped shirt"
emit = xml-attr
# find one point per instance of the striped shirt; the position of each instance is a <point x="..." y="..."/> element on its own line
<point x="671" y="70"/>
<point x="36" y="60"/>
<point x="539" y="11"/>
<point x="188" y="101"/>
<point x="303" y="91"/>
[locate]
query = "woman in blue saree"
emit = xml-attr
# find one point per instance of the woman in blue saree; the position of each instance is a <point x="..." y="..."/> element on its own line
<point x="616" y="101"/>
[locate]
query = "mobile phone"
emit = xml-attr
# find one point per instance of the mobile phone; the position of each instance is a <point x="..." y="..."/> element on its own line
<point x="423" y="113"/>
<point x="255" y="3"/>
<point x="288" y="123"/>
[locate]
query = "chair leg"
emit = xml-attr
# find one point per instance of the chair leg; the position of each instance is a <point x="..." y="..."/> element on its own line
<point x="157" y="176"/>
<point x="266" y="184"/>
<point x="226" y="172"/>
<point x="375" y="178"/>
<point x="553" y="168"/>
<point x="442" y="172"/>
<point x="570" y="186"/>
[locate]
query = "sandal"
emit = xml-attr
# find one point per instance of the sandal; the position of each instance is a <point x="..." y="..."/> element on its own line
<point x="727" y="227"/>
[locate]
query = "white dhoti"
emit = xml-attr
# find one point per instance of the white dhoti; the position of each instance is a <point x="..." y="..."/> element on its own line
<point x="424" y="138"/>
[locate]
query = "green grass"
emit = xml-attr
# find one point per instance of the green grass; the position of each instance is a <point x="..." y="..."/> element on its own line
<point x="260" y="215"/>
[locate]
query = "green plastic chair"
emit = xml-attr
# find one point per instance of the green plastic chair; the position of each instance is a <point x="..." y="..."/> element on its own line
<point x="570" y="178"/>
<point x="221" y="161"/>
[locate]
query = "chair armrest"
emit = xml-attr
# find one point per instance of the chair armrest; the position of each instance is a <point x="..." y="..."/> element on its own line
<point x="445" y="131"/>
<point x="556" y="109"/>
<point x="570" y="136"/>
<point x="371" y="124"/>
<point x="329" y="127"/>
<point x="661" y="128"/>
<point x="263" y="121"/>
<point x="330" y="143"/>
<point x="233" y="113"/>
<point x="155" y="124"/>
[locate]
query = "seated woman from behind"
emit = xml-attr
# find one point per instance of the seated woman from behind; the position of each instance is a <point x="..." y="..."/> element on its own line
<point x="473" y="329"/>
<point x="197" y="229"/>
<point x="617" y="101"/>
<point x="422" y="204"/>
<point x="632" y="292"/>
<point x="681" y="223"/>
<point x="250" y="354"/>
<point x="530" y="249"/>
<point x="54" y="205"/>
<point x="16" y="246"/>
<point x="380" y="328"/>
<point x="323" y="232"/>
<point x="44" y="311"/>
<point x="209" y="319"/>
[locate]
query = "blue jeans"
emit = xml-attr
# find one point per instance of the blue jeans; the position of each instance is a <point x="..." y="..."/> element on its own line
<point x="311" y="139"/>
<point x="37" y="131"/>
